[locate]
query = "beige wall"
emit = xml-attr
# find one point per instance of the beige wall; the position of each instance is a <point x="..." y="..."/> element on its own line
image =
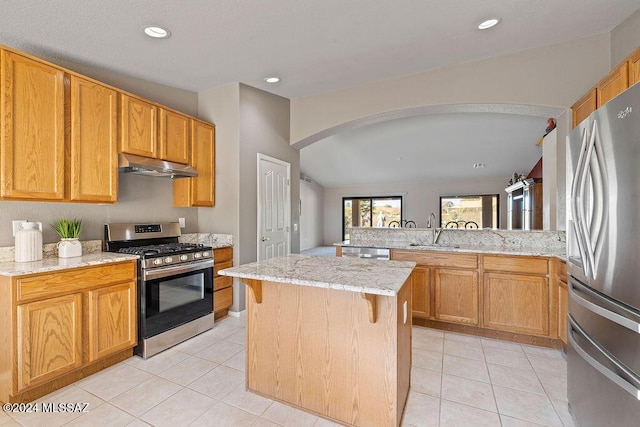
<point x="264" y="129"/>
<point x="419" y="200"/>
<point x="312" y="214"/>
<point x="554" y="75"/>
<point x="625" y="38"/>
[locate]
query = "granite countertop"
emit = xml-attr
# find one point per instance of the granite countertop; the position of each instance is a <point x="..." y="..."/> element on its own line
<point x="54" y="263"/>
<point x="479" y="249"/>
<point x="346" y="274"/>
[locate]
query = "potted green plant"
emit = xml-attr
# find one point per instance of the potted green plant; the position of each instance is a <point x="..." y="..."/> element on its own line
<point x="69" y="231"/>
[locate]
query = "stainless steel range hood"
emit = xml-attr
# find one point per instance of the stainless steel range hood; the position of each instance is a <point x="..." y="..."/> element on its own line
<point x="129" y="163"/>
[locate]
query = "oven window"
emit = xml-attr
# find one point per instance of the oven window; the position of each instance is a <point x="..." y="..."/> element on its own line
<point x="176" y="292"/>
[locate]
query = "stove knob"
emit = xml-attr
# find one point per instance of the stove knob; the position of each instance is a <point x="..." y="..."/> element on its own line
<point x="168" y="260"/>
<point x="206" y="254"/>
<point x="183" y="257"/>
<point x="157" y="261"/>
<point x="197" y="255"/>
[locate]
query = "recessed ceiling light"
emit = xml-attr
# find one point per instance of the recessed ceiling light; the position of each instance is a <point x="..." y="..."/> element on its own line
<point x="489" y="23"/>
<point x="272" y="79"/>
<point x="156" y="32"/>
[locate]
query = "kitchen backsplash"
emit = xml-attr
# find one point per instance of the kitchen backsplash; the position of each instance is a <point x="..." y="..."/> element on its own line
<point x="7" y="253"/>
<point x="451" y="236"/>
<point x="210" y="239"/>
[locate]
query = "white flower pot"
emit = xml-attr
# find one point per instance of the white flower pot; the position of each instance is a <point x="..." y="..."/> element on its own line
<point x="69" y="248"/>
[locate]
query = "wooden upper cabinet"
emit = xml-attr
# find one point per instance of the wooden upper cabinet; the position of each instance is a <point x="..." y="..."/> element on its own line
<point x="634" y="67"/>
<point x="32" y="138"/>
<point x="613" y="84"/>
<point x="198" y="191"/>
<point x="138" y="121"/>
<point x="94" y="144"/>
<point x="173" y="136"/>
<point x="584" y="106"/>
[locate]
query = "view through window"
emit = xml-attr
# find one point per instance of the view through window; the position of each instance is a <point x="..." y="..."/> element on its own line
<point x="370" y="212"/>
<point x="479" y="211"/>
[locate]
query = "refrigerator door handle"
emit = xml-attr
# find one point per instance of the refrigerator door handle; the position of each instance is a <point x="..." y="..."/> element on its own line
<point x="630" y="385"/>
<point x="577" y="289"/>
<point x="576" y="210"/>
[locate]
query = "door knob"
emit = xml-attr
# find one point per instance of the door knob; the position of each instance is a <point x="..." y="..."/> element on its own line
<point x="264" y="239"/>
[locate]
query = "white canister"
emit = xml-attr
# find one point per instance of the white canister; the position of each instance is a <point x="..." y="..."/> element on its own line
<point x="29" y="242"/>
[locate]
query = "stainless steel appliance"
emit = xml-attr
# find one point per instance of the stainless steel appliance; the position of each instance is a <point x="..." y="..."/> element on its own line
<point x="603" y="262"/>
<point x="367" y="253"/>
<point x="524" y="205"/>
<point x="175" y="283"/>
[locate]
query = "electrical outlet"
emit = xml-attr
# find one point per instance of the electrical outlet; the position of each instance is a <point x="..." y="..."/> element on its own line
<point x="16" y="225"/>
<point x="182" y="222"/>
<point x="295" y="227"/>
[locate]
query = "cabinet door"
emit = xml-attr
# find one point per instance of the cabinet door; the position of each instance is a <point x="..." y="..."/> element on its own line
<point x="584" y="106"/>
<point x="563" y="309"/>
<point x="49" y="339"/>
<point x="112" y="319"/>
<point x="174" y="137"/>
<point x="199" y="191"/>
<point x="31" y="129"/>
<point x="222" y="299"/>
<point x="614" y="84"/>
<point x="516" y="303"/>
<point x="94" y="151"/>
<point x="456" y="296"/>
<point x="421" y="292"/>
<point x="138" y="121"/>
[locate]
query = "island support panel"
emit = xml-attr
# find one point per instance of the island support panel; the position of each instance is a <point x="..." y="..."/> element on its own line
<point x="316" y="349"/>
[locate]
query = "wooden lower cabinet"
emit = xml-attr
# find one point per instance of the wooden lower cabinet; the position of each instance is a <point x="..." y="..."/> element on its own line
<point x="456" y="296"/>
<point x="49" y="340"/>
<point x="112" y="319"/>
<point x="516" y="303"/>
<point x="59" y="327"/>
<point x="421" y="292"/>
<point x="498" y="296"/>
<point x="222" y="285"/>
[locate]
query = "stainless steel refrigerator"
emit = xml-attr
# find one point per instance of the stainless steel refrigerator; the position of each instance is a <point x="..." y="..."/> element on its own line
<point x="603" y="262"/>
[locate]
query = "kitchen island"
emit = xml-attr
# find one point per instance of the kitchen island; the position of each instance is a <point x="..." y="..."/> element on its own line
<point x="330" y="335"/>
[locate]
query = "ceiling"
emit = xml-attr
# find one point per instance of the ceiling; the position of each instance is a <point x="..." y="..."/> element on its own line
<point x="317" y="46"/>
<point x="427" y="148"/>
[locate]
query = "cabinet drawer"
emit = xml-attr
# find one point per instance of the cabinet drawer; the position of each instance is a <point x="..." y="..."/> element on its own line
<point x="222" y="282"/>
<point x="438" y="259"/>
<point x="44" y="285"/>
<point x="222" y="299"/>
<point x="516" y="264"/>
<point x="221" y="266"/>
<point x="222" y="254"/>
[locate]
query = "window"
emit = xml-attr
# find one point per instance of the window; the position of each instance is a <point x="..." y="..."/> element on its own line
<point x="370" y="212"/>
<point x="480" y="211"/>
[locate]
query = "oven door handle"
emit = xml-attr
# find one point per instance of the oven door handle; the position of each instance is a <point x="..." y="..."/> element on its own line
<point x="158" y="273"/>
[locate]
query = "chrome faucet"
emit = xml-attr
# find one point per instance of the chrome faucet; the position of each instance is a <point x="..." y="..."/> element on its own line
<point x="430" y="224"/>
<point x="437" y="234"/>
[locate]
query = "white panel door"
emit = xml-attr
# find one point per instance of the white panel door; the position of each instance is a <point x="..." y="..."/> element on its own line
<point x="273" y="207"/>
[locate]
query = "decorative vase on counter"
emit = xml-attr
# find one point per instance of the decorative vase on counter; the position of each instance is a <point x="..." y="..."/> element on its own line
<point x="28" y="243"/>
<point x="69" y="248"/>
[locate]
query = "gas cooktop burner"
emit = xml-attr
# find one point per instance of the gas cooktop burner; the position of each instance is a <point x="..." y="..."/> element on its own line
<point x="162" y="249"/>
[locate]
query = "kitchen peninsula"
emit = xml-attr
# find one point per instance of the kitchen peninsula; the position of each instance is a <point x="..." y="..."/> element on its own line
<point x="330" y="335"/>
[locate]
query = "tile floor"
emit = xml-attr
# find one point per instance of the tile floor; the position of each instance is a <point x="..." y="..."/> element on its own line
<point x="456" y="380"/>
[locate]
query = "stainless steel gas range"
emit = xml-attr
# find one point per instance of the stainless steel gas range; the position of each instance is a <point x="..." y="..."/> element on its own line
<point x="175" y="283"/>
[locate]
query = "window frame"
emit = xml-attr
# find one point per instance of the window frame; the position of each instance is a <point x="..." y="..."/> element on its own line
<point x="497" y="195"/>
<point x="371" y="199"/>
